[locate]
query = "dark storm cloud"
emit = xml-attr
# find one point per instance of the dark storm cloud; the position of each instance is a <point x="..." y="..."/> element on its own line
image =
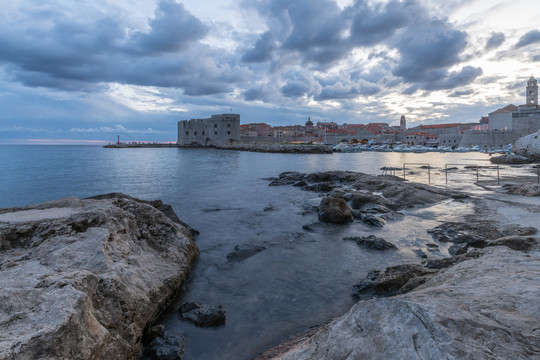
<point x="321" y="34"/>
<point x="72" y="53"/>
<point x="172" y="29"/>
<point x="495" y="40"/>
<point x="295" y="88"/>
<point x="428" y="47"/>
<point x="531" y="37"/>
<point x="374" y="25"/>
<point x="262" y="50"/>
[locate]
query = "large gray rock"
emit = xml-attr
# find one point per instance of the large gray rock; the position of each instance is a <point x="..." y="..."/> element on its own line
<point x="82" y="279"/>
<point x="484" y="308"/>
<point x="529" y="146"/>
<point x="334" y="209"/>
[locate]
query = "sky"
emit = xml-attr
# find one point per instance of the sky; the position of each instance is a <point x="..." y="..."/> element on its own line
<point x="86" y="72"/>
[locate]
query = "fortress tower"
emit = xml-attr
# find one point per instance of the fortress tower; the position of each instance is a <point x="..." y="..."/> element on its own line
<point x="532" y="91"/>
<point x="402" y="123"/>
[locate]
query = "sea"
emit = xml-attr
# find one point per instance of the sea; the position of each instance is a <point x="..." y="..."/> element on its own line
<point x="302" y="278"/>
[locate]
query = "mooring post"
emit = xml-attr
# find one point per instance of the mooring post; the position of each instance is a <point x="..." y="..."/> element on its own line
<point x="429" y="174"/>
<point x="498" y="183"/>
<point x="446" y="173"/>
<point x="476" y="173"/>
<point x="403" y="171"/>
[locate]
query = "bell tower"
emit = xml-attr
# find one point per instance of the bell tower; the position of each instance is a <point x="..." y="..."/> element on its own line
<point x="402" y="123"/>
<point x="532" y="91"/>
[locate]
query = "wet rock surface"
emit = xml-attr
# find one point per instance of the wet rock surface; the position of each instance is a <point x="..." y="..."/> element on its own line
<point x="364" y="190"/>
<point x="511" y="159"/>
<point x="489" y="296"/>
<point x="203" y="315"/>
<point x="82" y="278"/>
<point x="373" y="220"/>
<point x="372" y="242"/>
<point x="481" y="234"/>
<point x="334" y="209"/>
<point x="242" y="252"/>
<point x="389" y="282"/>
<point x="528" y="189"/>
<point x="168" y="346"/>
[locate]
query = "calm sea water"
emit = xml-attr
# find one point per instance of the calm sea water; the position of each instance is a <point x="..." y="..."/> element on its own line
<point x="302" y="279"/>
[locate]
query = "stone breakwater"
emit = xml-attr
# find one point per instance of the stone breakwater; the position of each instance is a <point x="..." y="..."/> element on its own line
<point x="84" y="278"/>
<point x="482" y="302"/>
<point x="280" y="148"/>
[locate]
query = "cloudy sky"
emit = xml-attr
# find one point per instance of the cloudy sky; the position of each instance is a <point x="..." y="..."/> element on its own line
<point x="85" y="72"/>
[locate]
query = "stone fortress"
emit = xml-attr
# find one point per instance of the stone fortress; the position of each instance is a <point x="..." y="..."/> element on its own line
<point x="218" y="130"/>
<point x="499" y="128"/>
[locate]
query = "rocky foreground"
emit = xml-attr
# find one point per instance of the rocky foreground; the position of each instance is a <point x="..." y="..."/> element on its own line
<point x="481" y="302"/>
<point x="84" y="278"/>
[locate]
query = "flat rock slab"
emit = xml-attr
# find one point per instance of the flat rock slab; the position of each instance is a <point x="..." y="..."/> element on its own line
<point x="82" y="278"/>
<point x="483" y="308"/>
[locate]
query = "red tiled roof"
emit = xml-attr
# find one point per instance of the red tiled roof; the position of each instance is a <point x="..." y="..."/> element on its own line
<point x="507" y="108"/>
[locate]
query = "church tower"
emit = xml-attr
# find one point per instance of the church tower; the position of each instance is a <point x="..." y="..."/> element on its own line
<point x="403" y="123"/>
<point x="532" y="91"/>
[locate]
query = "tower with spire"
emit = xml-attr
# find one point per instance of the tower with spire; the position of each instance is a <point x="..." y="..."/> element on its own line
<point x="402" y="123"/>
<point x="532" y="91"/>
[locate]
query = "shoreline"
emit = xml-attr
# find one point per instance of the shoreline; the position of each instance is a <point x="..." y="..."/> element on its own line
<point x="445" y="291"/>
<point x="266" y="148"/>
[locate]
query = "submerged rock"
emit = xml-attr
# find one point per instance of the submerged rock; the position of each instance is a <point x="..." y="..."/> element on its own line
<point x="242" y="252"/>
<point x="83" y="278"/>
<point x="202" y="314"/>
<point x="372" y="242"/>
<point x="168" y="346"/>
<point x="373" y="220"/>
<point x="334" y="209"/>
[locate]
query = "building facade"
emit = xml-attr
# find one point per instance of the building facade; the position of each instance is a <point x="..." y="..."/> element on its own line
<point x="218" y="130"/>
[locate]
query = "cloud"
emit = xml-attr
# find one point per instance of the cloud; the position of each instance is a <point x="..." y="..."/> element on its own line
<point x="531" y="37"/>
<point x="372" y="25"/>
<point x="461" y="93"/>
<point x="430" y="46"/>
<point x="172" y="29"/>
<point x="117" y="129"/>
<point x="78" y="52"/>
<point x="348" y="90"/>
<point x="262" y="50"/>
<point x="495" y="40"/>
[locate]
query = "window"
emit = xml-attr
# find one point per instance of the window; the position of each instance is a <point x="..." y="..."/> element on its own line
<point x="203" y="133"/>
<point x="228" y="133"/>
<point x="228" y="125"/>
<point x="195" y="133"/>
<point x="187" y="133"/>
<point x="215" y="126"/>
<point x="215" y="132"/>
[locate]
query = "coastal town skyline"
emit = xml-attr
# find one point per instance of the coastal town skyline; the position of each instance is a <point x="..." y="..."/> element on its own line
<point x="86" y="74"/>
